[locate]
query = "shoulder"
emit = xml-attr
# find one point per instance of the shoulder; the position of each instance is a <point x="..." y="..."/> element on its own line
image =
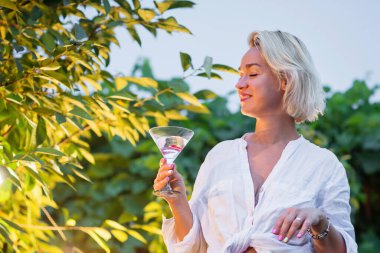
<point x="226" y="148"/>
<point x="324" y="157"/>
<point x="222" y="154"/>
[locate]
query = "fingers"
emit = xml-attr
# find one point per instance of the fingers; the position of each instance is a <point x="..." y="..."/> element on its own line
<point x="289" y="222"/>
<point x="296" y="225"/>
<point x="277" y="227"/>
<point x="306" y="224"/>
<point x="286" y="224"/>
<point x="158" y="185"/>
<point x="164" y="174"/>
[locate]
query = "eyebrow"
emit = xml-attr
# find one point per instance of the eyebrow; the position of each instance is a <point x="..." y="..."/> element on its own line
<point x="248" y="65"/>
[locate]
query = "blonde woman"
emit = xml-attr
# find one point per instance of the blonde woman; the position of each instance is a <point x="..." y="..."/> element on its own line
<point x="270" y="190"/>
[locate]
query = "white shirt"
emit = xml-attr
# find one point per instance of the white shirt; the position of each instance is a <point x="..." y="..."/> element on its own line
<point x="225" y="218"/>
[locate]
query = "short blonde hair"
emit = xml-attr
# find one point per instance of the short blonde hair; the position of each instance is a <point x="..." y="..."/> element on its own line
<point x="288" y="58"/>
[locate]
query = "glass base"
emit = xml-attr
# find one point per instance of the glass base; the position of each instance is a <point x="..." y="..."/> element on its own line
<point x="167" y="193"/>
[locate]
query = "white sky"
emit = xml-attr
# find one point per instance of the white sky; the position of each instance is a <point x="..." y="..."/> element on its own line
<point x="343" y="37"/>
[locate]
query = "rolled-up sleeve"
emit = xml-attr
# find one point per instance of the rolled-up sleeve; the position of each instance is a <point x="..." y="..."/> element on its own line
<point x="335" y="203"/>
<point x="194" y="241"/>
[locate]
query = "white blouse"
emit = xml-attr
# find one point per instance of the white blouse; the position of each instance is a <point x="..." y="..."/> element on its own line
<point x="225" y="218"/>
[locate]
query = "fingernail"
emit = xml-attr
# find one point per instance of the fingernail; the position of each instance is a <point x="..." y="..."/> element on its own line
<point x="172" y="166"/>
<point x="274" y="231"/>
<point x="299" y="235"/>
<point x="280" y="237"/>
<point x="286" y="239"/>
<point x="170" y="172"/>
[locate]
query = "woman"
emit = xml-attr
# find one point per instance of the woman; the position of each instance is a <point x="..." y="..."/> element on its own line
<point x="271" y="190"/>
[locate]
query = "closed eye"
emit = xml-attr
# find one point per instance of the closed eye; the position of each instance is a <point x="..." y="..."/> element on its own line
<point x="253" y="75"/>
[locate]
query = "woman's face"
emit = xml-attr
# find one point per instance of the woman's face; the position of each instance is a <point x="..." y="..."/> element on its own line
<point x="258" y="88"/>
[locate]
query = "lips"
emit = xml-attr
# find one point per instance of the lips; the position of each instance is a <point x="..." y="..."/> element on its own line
<point x="244" y="97"/>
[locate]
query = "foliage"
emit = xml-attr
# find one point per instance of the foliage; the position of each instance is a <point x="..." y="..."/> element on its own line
<point x="351" y="129"/>
<point x="56" y="94"/>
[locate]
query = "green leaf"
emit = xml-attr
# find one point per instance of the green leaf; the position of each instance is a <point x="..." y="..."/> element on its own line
<point x="137" y="235"/>
<point x="49" y="151"/>
<point x="207" y="65"/>
<point x="60" y="118"/>
<point x="170" y="25"/>
<point x="122" y="97"/>
<point x="143" y="81"/>
<point x="171" y="4"/>
<point x="103" y="233"/>
<point x="137" y="4"/>
<point x="30" y="182"/>
<point x="185" y="61"/>
<point x="81" y="113"/>
<point x="193" y="108"/>
<point x="225" y="68"/>
<point x="135" y="36"/>
<point x="107" y="6"/>
<point x="52" y="66"/>
<point x="127" y="217"/>
<point x="56" y="77"/>
<point x="146" y="14"/>
<point x="79" y="32"/>
<point x="189" y="98"/>
<point x="150" y="229"/>
<point x="5" y="234"/>
<point x="8" y="4"/>
<point x="115" y="225"/>
<point x="81" y="175"/>
<point x="205" y="94"/>
<point x="49" y="41"/>
<point x="120" y="235"/>
<point x="99" y="241"/>
<point x="41" y="131"/>
<point x="36" y="13"/>
<point x="87" y="155"/>
<point x="20" y="69"/>
<point x="96" y="85"/>
<point x="5" y="188"/>
<point x="12" y="224"/>
<point x="213" y="75"/>
<point x="15" y="98"/>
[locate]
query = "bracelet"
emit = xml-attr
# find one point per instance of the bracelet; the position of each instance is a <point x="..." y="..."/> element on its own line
<point x="321" y="235"/>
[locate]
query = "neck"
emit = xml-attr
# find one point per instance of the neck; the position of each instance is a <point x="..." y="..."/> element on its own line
<point x="273" y="129"/>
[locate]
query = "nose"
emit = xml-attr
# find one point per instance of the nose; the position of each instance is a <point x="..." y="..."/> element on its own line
<point x="241" y="83"/>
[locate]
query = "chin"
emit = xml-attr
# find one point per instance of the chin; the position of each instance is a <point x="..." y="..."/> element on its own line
<point x="247" y="113"/>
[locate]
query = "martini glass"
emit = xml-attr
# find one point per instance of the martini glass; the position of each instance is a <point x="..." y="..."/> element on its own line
<point x="170" y="140"/>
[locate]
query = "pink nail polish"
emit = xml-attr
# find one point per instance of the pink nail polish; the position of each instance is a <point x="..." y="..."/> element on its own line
<point x="299" y="235"/>
<point x="274" y="231"/>
<point x="280" y="237"/>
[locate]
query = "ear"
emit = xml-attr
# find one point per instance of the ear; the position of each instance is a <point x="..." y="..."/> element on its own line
<point x="283" y="81"/>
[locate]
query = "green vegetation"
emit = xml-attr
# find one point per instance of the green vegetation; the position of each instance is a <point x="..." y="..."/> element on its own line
<point x="56" y="95"/>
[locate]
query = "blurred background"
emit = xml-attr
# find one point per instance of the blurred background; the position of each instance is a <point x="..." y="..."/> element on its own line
<point x="81" y="82"/>
<point x="342" y="37"/>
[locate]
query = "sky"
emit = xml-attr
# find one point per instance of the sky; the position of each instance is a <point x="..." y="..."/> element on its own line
<point x="343" y="37"/>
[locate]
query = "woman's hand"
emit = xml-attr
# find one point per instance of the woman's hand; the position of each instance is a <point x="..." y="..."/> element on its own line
<point x="298" y="220"/>
<point x="169" y="173"/>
